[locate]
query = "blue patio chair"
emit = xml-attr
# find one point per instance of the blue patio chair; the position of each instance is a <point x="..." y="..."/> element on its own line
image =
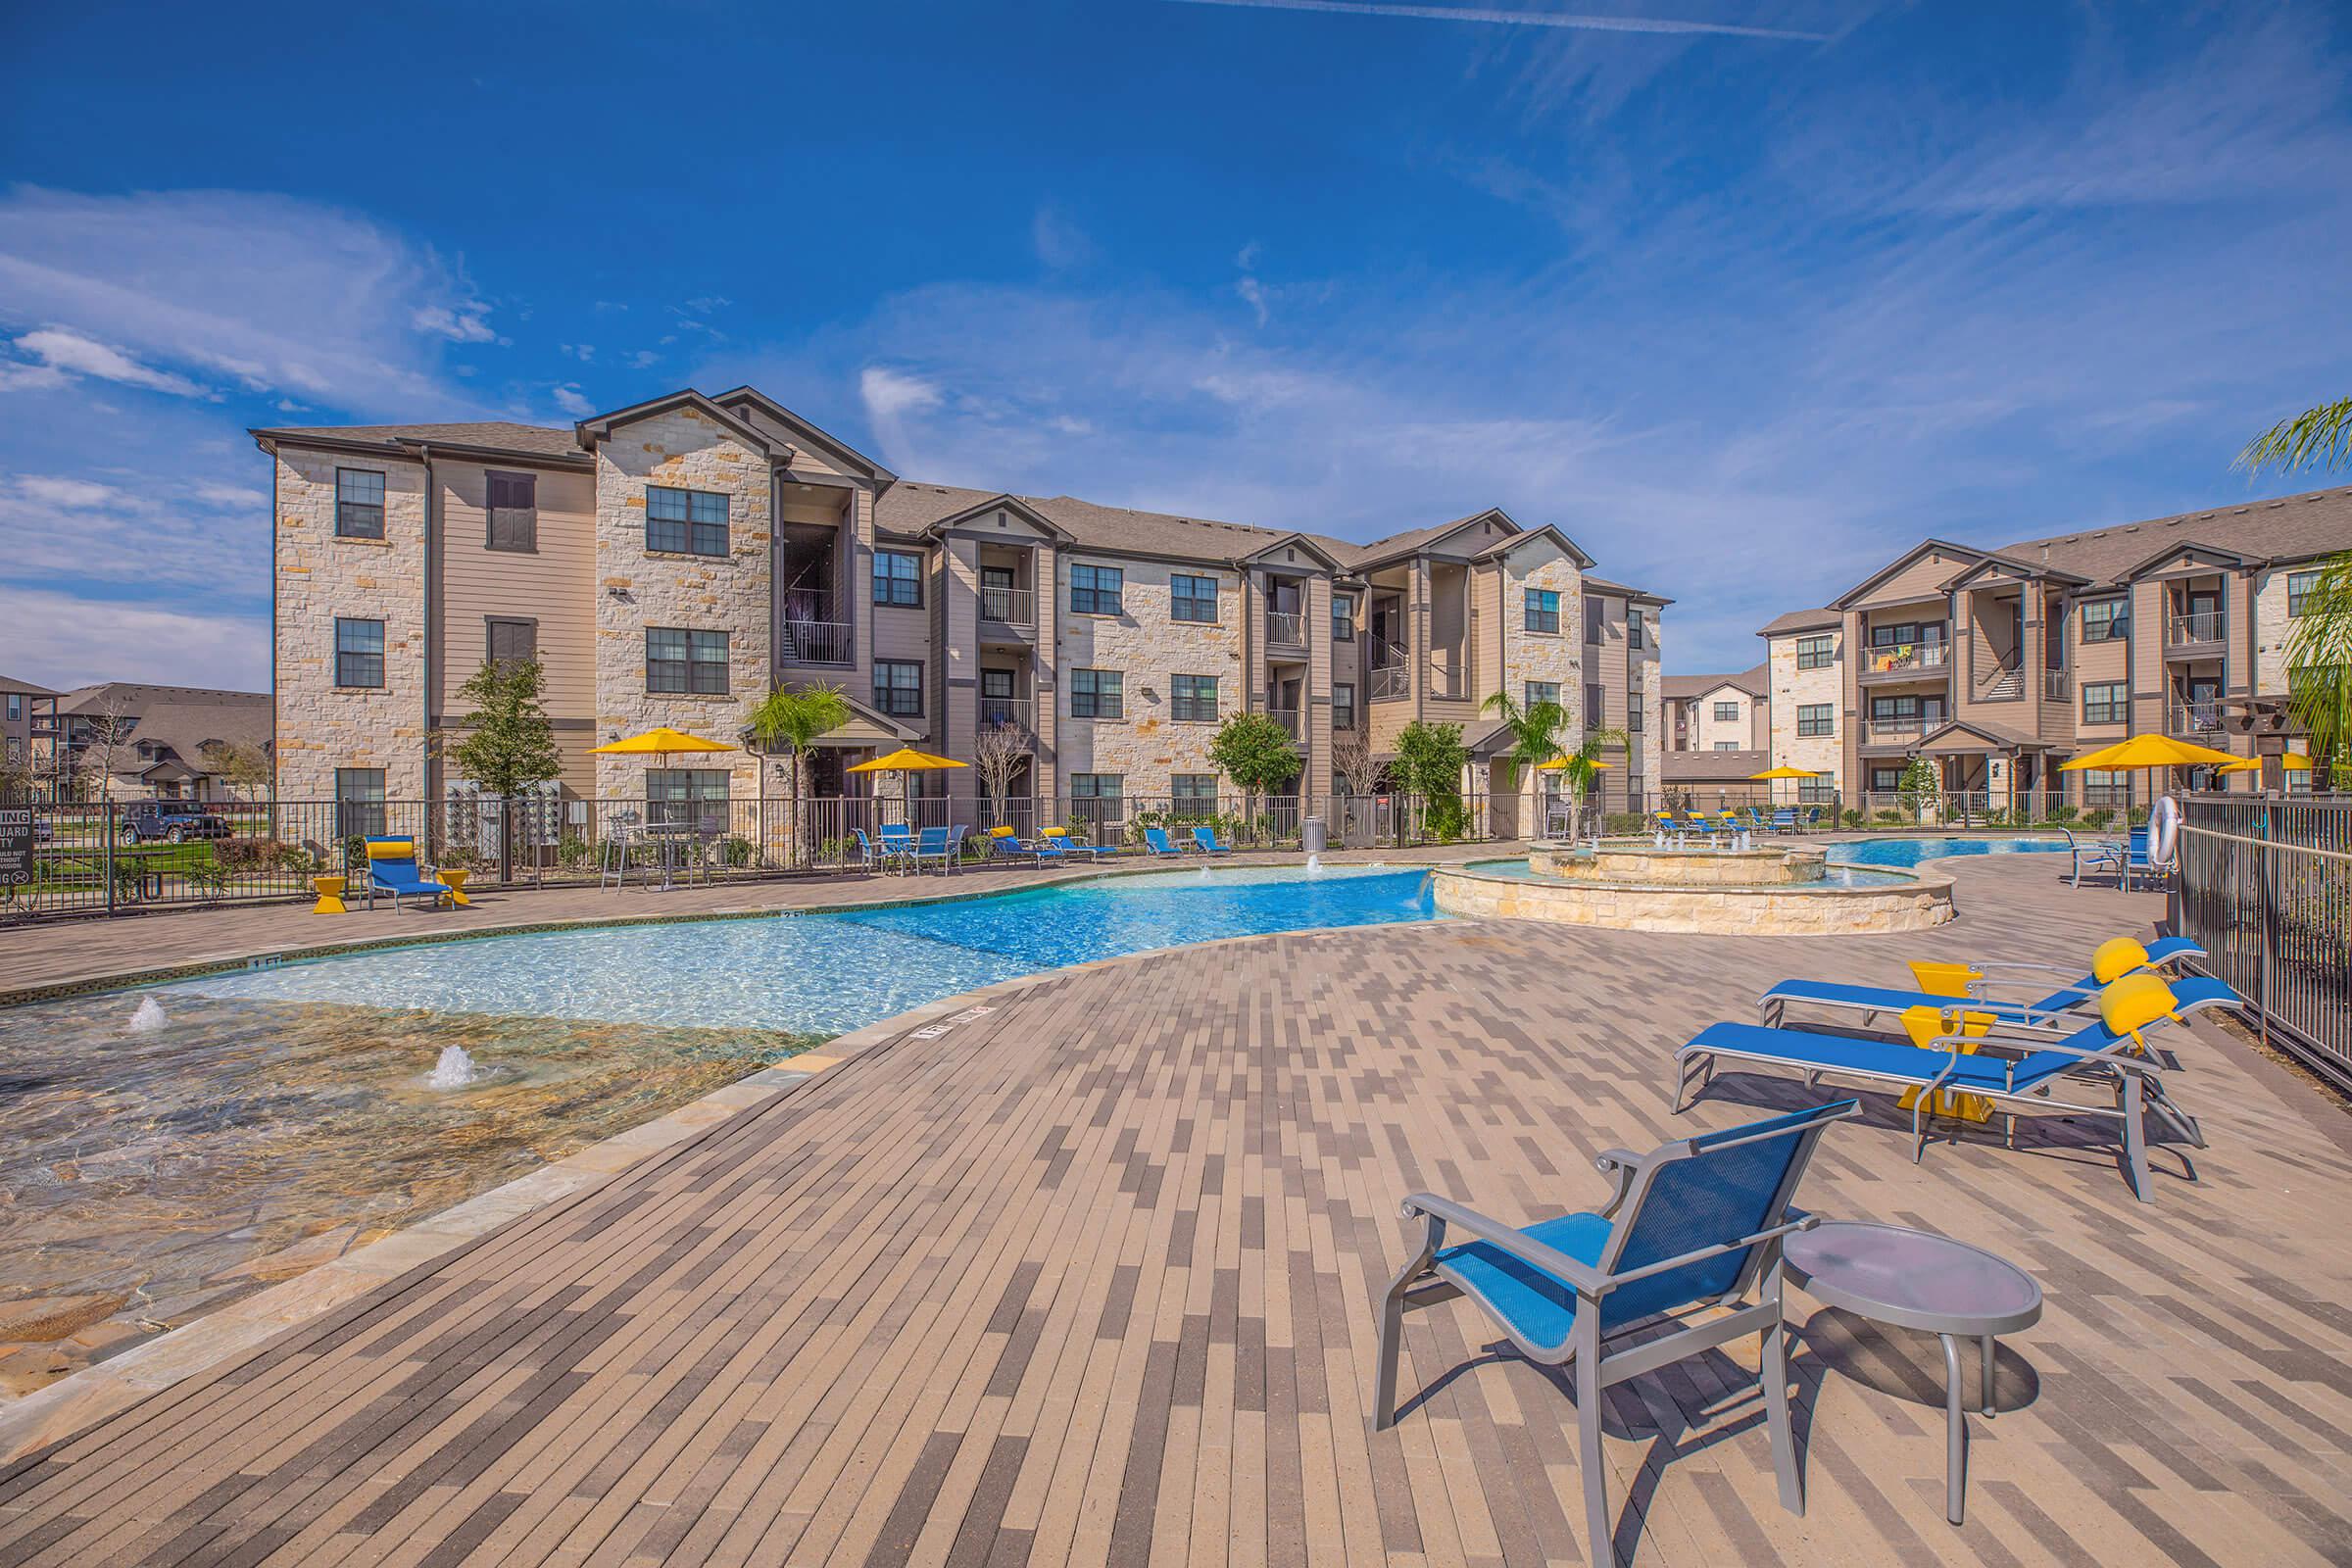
<point x="2109" y="1051"/>
<point x="2137" y="864"/>
<point x="1207" y="839"/>
<point x="1784" y="820"/>
<point x="941" y="843"/>
<point x="2115" y="959"/>
<point x="870" y="856"/>
<point x="392" y="869"/>
<point x="1694" y="1223"/>
<point x="1156" y="844"/>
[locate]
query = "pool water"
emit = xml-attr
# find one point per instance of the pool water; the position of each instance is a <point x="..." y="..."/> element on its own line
<point x="1831" y="876"/>
<point x="1910" y="852"/>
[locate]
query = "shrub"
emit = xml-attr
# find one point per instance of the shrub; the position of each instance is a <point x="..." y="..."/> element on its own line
<point x="1621" y="822"/>
<point x="1854" y="817"/>
<point x="2099" y="816"/>
<point x="738" y="853"/>
<point x="238" y="856"/>
<point x="2139" y="816"/>
<point x="1890" y="815"/>
<point x="2062" y="814"/>
<point x="354" y="852"/>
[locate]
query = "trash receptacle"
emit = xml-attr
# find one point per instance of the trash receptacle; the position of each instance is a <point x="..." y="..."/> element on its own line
<point x="1311" y="834"/>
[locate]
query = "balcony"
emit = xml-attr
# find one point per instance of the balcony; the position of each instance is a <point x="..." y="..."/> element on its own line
<point x="1903" y="730"/>
<point x="1392" y="677"/>
<point x="1902" y="662"/>
<point x="816" y="642"/>
<point x="2056" y="684"/>
<point x="2193" y="719"/>
<point x="1007" y="610"/>
<point x="1010" y="713"/>
<point x="1285" y="629"/>
<point x="1451" y="685"/>
<point x="2195" y="634"/>
<point x="1292" y="721"/>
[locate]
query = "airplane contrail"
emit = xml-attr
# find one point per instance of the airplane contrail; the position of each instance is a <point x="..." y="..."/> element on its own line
<point x="1519" y="19"/>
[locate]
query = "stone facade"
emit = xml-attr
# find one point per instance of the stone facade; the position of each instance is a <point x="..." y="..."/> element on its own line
<point x="1147" y="745"/>
<point x="2273" y="628"/>
<point x="322" y="727"/>
<point x="638" y="588"/>
<point x="1793" y="688"/>
<point x="1914" y="904"/>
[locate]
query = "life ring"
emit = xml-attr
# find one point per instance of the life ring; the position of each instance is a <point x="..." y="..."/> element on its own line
<point x="2164" y="831"/>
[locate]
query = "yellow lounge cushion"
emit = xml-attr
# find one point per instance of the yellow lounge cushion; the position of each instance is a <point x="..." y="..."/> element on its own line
<point x="1001" y="833"/>
<point x="2117" y="957"/>
<point x="2135" y="1002"/>
<point x="395" y="850"/>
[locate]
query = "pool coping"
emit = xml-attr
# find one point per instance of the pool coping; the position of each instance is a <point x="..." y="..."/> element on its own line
<point x="55" y="1414"/>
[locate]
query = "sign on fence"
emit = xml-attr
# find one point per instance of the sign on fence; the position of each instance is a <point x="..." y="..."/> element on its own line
<point x="15" y="847"/>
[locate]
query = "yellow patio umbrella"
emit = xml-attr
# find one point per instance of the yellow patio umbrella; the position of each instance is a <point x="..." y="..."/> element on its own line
<point x="2146" y="754"/>
<point x="2291" y="761"/>
<point x="1785" y="771"/>
<point x="661" y="741"/>
<point x="906" y="760"/>
<point x="1560" y="763"/>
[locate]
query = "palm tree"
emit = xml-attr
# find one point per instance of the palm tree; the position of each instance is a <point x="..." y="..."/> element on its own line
<point x="1534" y="732"/>
<point x="2319" y="648"/>
<point x="794" y="720"/>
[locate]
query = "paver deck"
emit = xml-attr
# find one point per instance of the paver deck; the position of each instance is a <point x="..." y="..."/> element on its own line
<point x="1089" y="1278"/>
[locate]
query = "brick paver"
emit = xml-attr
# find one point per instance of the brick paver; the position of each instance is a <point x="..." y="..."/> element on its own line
<point x="1089" y="1278"/>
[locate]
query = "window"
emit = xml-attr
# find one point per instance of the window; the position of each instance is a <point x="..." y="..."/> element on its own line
<point x="1095" y="590"/>
<point x="359" y="504"/>
<point x="1592" y="621"/>
<point x="690" y="522"/>
<point x="1726" y="713"/>
<point x="358" y="653"/>
<point x="898" y="687"/>
<point x="1816" y="653"/>
<point x="1343" y="705"/>
<point x="1095" y="798"/>
<point x="1727" y="746"/>
<point x="2104" y="702"/>
<point x="1633" y="635"/>
<point x="1195" y="790"/>
<point x="899" y="579"/>
<point x="2106" y="789"/>
<point x="679" y="660"/>
<point x="1886" y="780"/>
<point x="2299" y="586"/>
<point x="1816" y="719"/>
<point x="510" y="642"/>
<point x="1095" y="694"/>
<point x="1815" y="791"/>
<point x="511" y="508"/>
<point x="1194" y="698"/>
<point x="2104" y="621"/>
<point x="1190" y="598"/>
<point x="1343" y="618"/>
<point x="1542" y="691"/>
<point x="1543" y="610"/>
<point x="1596" y="706"/>
<point x="1633" y="712"/>
<point x="16" y="708"/>
<point x="686" y="796"/>
<point x="359" y="802"/>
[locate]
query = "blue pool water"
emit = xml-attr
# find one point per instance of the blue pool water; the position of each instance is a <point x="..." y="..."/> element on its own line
<point x="827" y="973"/>
<point x="1910" y="852"/>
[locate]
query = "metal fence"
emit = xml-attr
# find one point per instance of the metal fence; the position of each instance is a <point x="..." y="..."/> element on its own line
<point x="88" y="859"/>
<point x="2265" y="886"/>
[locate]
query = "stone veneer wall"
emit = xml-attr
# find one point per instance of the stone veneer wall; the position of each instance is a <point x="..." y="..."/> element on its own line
<point x="2272" y="627"/>
<point x="321" y="727"/>
<point x="1146" y="647"/>
<point x="689" y="451"/>
<point x="1912" y="904"/>
<point x="1792" y="687"/>
<point x="1539" y="656"/>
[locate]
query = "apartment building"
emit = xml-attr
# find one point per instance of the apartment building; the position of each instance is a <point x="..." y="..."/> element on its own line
<point x="20" y="702"/>
<point x="1998" y="664"/>
<point x="1720" y="712"/>
<point x="123" y="740"/>
<point x="673" y="561"/>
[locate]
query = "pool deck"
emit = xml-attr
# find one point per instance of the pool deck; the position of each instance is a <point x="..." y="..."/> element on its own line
<point x="1084" y="1273"/>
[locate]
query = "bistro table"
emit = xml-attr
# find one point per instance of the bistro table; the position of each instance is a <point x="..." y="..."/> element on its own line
<point x="1916" y="1280"/>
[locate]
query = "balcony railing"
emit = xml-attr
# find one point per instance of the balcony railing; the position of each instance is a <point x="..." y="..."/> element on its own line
<point x="2055" y="684"/>
<point x="1285" y="629"/>
<point x="1290" y="721"/>
<point x="1010" y="713"/>
<point x="1897" y="731"/>
<point x="1447" y="683"/>
<point x="2193" y="719"/>
<point x="1904" y="658"/>
<point x="818" y="642"/>
<point x="1008" y="607"/>
<point x="1392" y="677"/>
<point x="2195" y="626"/>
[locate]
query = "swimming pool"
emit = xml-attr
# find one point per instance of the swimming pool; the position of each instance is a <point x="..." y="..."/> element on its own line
<point x="1910" y="852"/>
<point x="832" y="972"/>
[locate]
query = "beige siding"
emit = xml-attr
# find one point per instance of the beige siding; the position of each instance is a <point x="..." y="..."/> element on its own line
<point x="1923" y="579"/>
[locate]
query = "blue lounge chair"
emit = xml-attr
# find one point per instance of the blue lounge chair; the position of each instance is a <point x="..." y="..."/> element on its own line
<point x="2100" y="1052"/>
<point x="2115" y="959"/>
<point x="1060" y="845"/>
<point x="1695" y="1222"/>
<point x="392" y="869"/>
<point x="1156" y="844"/>
<point x="1206" y="837"/>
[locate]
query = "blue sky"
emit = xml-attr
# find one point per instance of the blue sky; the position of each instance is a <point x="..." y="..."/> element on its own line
<point x="1741" y="295"/>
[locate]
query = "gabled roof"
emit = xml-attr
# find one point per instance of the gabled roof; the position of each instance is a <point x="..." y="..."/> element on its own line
<point x="600" y="426"/>
<point x="2212" y="555"/>
<point x="1009" y="502"/>
<point x="865" y="467"/>
<point x="1924" y="546"/>
<point x="1380" y="552"/>
<point x="1541" y="530"/>
<point x="1756" y="682"/>
<point x="400" y="440"/>
<point x="1295" y="541"/>
<point x="1955" y="736"/>
<point x="9" y="683"/>
<point x="1796" y="620"/>
<point x="866" y="726"/>
<point x="1997" y="562"/>
<point x="2298" y="527"/>
<point x="1601" y="585"/>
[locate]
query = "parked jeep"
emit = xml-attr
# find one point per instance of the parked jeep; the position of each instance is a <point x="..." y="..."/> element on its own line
<point x="170" y="822"/>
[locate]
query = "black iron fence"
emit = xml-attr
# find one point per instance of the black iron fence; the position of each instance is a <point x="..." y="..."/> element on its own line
<point x="2265" y="886"/>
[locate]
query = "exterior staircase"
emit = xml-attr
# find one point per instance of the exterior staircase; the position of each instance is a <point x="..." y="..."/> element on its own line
<point x="2003" y="684"/>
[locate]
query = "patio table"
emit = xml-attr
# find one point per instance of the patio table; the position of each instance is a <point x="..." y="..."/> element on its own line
<point x="1916" y="1280"/>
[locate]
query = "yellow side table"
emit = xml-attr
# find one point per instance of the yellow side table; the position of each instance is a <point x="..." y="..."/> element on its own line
<point x="1924" y="1024"/>
<point x="330" y="894"/>
<point x="455" y="881"/>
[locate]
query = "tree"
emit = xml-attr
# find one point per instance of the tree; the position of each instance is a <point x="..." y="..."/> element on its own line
<point x="509" y="745"/>
<point x="1534" y="730"/>
<point x="997" y="753"/>
<point x="1351" y="761"/>
<point x="244" y="768"/>
<point x="1430" y="758"/>
<point x="2318" y="647"/>
<point x="793" y="720"/>
<point x="1257" y="753"/>
<point x="104" y="736"/>
<point x="1918" y="786"/>
<point x="1581" y="769"/>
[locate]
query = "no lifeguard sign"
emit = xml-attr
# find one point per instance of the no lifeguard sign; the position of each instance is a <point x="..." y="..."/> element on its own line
<point x="15" y="847"/>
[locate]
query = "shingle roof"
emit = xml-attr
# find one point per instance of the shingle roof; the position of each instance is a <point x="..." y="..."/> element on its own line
<point x="496" y="434"/>
<point x="2289" y="528"/>
<point x="1711" y="767"/>
<point x="1755" y="682"/>
<point x="9" y="683"/>
<point x="1798" y="620"/>
<point x="1603" y="585"/>
<point x="137" y="697"/>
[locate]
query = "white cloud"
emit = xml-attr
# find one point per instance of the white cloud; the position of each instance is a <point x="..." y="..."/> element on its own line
<point x="461" y="323"/>
<point x="71" y="354"/>
<point x="137" y="528"/>
<point x="54" y="491"/>
<point x="641" y="359"/>
<point x="572" y="400"/>
<point x="1254" y="294"/>
<point x="889" y="393"/>
<point x="1059" y="242"/>
<point x="582" y="352"/>
<point x="66" y="640"/>
<point x="30" y="377"/>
